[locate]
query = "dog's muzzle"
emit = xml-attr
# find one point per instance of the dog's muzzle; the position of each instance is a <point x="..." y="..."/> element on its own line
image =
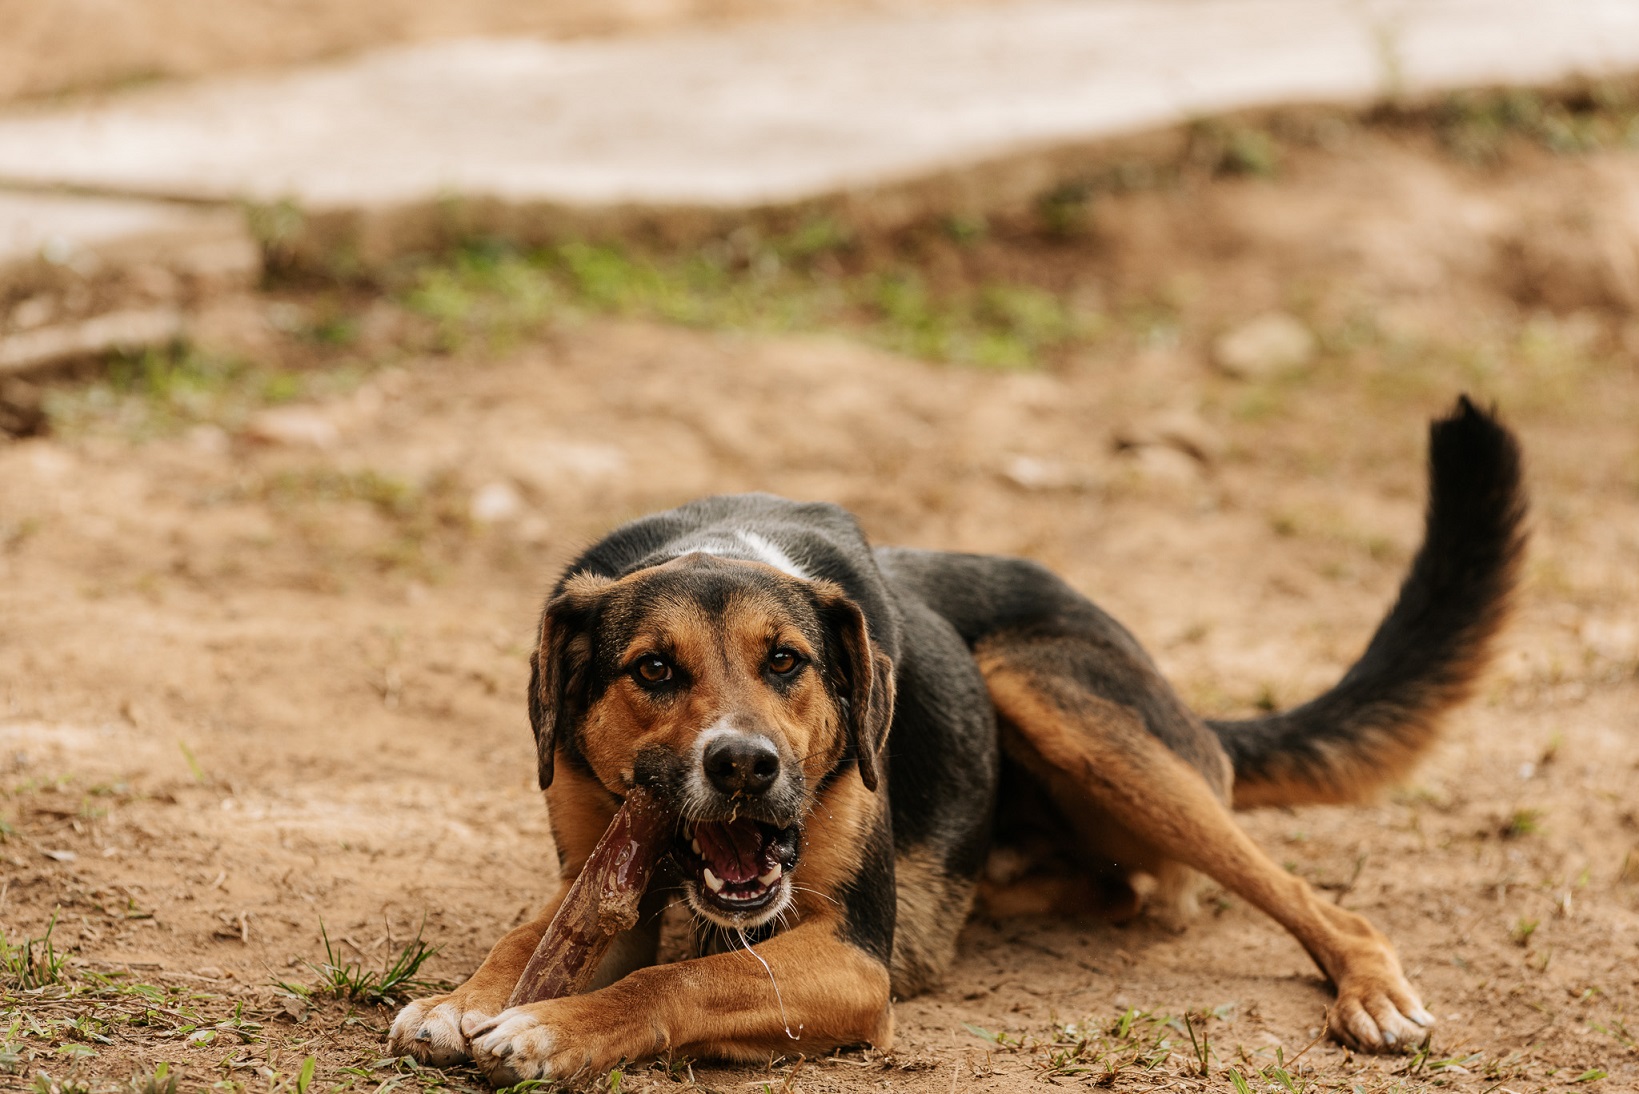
<point x="741" y="830"/>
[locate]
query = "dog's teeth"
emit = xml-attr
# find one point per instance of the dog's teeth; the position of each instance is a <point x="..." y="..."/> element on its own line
<point x="772" y="876"/>
<point x="713" y="882"/>
<point x="696" y="845"/>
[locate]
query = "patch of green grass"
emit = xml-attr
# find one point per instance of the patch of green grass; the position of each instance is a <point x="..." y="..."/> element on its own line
<point x="428" y="520"/>
<point x="482" y="294"/>
<point x="12" y="1049"/>
<point x="45" y="1084"/>
<point x="161" y="1080"/>
<point x="390" y="495"/>
<point x="1135" y="1043"/>
<point x="1000" y="326"/>
<point x="32" y="963"/>
<point x="1478" y="126"/>
<point x="1522" y="822"/>
<point x="528" y="1086"/>
<point x="490" y="296"/>
<point x="162" y="391"/>
<point x="1150" y="1050"/>
<point x="1424" y="1060"/>
<point x="397" y="979"/>
<point x="1228" y="147"/>
<point x="1618" y="1031"/>
<point x="56" y="1032"/>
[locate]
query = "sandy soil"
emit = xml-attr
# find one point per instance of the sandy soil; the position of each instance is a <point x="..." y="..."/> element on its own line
<point x="53" y="46"/>
<point x="246" y="688"/>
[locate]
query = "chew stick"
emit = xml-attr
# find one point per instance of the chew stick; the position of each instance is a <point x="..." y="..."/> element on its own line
<point x="602" y="902"/>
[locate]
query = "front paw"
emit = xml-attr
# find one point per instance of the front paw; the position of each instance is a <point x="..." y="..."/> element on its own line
<point x="1379" y="1013"/>
<point x="527" y="1043"/>
<point x="435" y="1031"/>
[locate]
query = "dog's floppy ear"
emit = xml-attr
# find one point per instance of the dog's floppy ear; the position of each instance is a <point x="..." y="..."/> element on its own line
<point x="558" y="668"/>
<point x="862" y="677"/>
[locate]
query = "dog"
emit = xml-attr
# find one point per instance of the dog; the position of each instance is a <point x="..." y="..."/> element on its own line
<point x="861" y="743"/>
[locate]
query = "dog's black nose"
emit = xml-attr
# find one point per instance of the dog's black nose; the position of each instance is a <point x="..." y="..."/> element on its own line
<point x="741" y="763"/>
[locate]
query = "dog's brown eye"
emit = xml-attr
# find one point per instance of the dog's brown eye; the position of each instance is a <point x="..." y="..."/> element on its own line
<point x="783" y="662"/>
<point x="653" y="669"/>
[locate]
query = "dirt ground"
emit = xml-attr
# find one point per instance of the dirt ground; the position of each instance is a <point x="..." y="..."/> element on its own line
<point x="262" y="674"/>
<point x="56" y="46"/>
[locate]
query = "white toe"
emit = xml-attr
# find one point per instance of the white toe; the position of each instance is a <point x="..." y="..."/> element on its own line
<point x="472" y="1020"/>
<point x="1396" y="1027"/>
<point x="1365" y="1030"/>
<point x="514" y="1047"/>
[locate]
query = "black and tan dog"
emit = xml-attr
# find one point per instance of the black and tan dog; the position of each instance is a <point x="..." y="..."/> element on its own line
<point x="850" y="735"/>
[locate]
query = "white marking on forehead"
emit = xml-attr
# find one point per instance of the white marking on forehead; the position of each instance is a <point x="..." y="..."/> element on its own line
<point x="766" y="551"/>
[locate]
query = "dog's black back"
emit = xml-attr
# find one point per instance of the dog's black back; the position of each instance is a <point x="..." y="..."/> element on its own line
<point x="932" y="613"/>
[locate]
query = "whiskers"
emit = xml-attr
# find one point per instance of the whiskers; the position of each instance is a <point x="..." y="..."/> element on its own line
<point x="795" y="888"/>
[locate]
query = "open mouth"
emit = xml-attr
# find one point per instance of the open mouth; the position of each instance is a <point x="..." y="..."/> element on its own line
<point x="741" y="865"/>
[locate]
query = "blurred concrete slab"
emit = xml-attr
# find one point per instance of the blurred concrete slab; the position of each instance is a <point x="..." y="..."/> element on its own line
<point x="82" y="275"/>
<point x="774" y="113"/>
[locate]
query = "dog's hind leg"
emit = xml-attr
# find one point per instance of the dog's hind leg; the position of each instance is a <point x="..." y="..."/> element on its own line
<point x="1099" y="755"/>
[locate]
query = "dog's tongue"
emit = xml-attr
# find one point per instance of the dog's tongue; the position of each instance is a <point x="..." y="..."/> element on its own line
<point x="732" y="849"/>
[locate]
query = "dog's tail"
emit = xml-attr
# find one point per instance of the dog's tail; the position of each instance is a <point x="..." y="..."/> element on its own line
<point x="1427" y="654"/>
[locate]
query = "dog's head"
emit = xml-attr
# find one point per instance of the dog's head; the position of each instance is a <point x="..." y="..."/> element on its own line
<point x="734" y="691"/>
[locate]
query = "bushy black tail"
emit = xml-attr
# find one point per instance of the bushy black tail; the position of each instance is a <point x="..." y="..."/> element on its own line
<point x="1427" y="654"/>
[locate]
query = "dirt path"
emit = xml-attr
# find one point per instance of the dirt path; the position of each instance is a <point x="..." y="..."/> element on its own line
<point x="56" y="46"/>
<point x="246" y="688"/>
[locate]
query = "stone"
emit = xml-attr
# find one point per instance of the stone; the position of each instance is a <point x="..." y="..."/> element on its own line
<point x="495" y="502"/>
<point x="1158" y="465"/>
<point x="1031" y="473"/>
<point x="1265" y="347"/>
<point x="127" y="330"/>
<point x="36" y="311"/>
<point x="1614" y="640"/>
<point x="152" y="242"/>
<point x="1183" y="430"/>
<point x="293" y="427"/>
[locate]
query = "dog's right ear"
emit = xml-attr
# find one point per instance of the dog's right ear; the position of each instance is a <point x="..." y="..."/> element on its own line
<point x="559" y="667"/>
<point x="862" y="677"/>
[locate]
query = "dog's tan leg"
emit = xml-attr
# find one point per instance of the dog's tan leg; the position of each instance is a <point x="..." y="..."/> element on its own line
<point x="817" y="992"/>
<point x="1083" y="745"/>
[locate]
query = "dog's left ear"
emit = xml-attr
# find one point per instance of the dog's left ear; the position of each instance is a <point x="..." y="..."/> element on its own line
<point x="558" y="668"/>
<point x="861" y="676"/>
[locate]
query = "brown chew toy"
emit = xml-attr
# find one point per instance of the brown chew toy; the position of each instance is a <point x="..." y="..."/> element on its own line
<point x="600" y="904"/>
